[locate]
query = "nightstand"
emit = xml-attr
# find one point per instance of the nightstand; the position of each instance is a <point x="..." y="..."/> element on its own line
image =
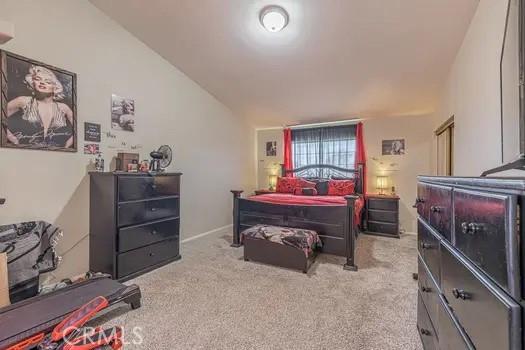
<point x="382" y="215"/>
<point x="263" y="191"/>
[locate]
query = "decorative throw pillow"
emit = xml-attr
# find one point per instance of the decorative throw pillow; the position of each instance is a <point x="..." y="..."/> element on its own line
<point x="341" y="187"/>
<point x="322" y="187"/>
<point x="305" y="191"/>
<point x="288" y="184"/>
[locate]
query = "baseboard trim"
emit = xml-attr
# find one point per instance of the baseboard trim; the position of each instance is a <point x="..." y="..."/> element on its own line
<point x="200" y="235"/>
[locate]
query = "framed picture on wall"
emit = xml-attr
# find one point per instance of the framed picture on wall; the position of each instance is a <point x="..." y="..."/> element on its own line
<point x="393" y="147"/>
<point x="122" y="113"/>
<point x="38" y="105"/>
<point x="271" y="148"/>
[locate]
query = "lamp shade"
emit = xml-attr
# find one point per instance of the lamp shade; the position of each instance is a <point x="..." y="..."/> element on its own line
<point x="381" y="183"/>
<point x="272" y="181"/>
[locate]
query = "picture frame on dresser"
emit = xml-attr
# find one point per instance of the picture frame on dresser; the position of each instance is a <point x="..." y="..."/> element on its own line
<point x="134" y="222"/>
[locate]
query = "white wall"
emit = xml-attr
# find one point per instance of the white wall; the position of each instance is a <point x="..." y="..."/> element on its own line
<point x="472" y="92"/>
<point x="212" y="147"/>
<point x="417" y="132"/>
<point x="402" y="171"/>
<point x="267" y="165"/>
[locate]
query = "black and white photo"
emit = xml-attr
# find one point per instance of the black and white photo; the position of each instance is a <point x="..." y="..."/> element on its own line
<point x="38" y="105"/>
<point x="122" y="113"/>
<point x="271" y="148"/>
<point x="393" y="147"/>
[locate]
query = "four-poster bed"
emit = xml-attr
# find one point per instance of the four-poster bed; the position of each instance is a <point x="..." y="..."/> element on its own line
<point x="334" y="219"/>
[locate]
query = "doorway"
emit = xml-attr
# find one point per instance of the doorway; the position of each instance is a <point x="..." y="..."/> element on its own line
<point x="445" y="148"/>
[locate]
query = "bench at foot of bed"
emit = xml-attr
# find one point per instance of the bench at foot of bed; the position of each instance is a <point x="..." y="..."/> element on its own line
<point x="281" y="246"/>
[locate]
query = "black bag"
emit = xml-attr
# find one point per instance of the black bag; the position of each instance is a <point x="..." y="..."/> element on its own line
<point x="30" y="248"/>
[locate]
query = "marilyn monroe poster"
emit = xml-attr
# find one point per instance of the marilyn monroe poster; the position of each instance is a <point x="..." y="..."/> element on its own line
<point x="38" y="105"/>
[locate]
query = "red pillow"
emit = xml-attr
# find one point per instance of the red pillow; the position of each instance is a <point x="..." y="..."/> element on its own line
<point x="288" y="184"/>
<point x="341" y="187"/>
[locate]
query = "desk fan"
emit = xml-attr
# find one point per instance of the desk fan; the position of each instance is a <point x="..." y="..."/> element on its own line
<point x="161" y="158"/>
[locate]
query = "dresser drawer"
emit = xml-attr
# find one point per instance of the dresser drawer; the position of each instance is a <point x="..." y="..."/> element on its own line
<point x="382" y="215"/>
<point x="440" y="210"/>
<point x="383" y="227"/>
<point x="485" y="234"/>
<point x="425" y="328"/>
<point x="422" y="200"/>
<point x="133" y="237"/>
<point x="132" y="213"/>
<point x="139" y="259"/>
<point x="143" y="187"/>
<point x="491" y="319"/>
<point x="382" y="204"/>
<point x="451" y="336"/>
<point x="429" y="293"/>
<point x="428" y="245"/>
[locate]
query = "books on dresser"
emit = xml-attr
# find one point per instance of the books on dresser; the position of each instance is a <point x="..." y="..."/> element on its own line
<point x="134" y="222"/>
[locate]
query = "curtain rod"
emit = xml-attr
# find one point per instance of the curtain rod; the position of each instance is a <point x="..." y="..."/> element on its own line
<point x="340" y="122"/>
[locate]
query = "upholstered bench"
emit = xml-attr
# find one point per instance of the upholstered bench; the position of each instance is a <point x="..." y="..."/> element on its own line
<point x="292" y="248"/>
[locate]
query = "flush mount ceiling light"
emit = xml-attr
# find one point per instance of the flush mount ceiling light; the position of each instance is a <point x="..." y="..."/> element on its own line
<point x="273" y="18"/>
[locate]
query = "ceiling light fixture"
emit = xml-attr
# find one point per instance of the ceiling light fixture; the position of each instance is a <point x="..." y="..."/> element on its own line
<point x="274" y="18"/>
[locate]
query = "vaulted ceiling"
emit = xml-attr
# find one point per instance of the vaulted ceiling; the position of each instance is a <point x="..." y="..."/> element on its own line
<point x="336" y="59"/>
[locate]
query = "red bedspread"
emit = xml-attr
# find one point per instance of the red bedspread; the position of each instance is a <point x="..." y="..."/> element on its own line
<point x="291" y="199"/>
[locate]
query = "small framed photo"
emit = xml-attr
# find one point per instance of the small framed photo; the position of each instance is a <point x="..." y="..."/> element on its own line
<point x="271" y="148"/>
<point x="393" y="147"/>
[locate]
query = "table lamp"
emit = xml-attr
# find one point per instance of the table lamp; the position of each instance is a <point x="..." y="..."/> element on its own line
<point x="382" y="184"/>
<point x="272" y="181"/>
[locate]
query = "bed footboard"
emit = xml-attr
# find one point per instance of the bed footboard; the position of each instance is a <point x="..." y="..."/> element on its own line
<point x="334" y="224"/>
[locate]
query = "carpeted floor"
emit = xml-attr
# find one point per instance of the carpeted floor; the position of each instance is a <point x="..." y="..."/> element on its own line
<point x="212" y="299"/>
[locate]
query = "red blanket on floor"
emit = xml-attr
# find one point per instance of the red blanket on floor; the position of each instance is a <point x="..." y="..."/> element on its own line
<point x="291" y="199"/>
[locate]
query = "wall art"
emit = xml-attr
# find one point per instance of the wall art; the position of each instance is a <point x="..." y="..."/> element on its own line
<point x="122" y="113"/>
<point x="393" y="147"/>
<point x="91" y="132"/>
<point x="38" y="108"/>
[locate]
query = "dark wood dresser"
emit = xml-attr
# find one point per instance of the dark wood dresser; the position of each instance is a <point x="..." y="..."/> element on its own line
<point x="134" y="222"/>
<point x="382" y="215"/>
<point x="471" y="257"/>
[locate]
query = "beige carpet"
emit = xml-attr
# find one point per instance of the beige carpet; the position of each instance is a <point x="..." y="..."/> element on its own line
<point x="212" y="299"/>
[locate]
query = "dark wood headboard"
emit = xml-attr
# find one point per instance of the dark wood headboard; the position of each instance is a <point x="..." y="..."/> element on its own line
<point x="327" y="172"/>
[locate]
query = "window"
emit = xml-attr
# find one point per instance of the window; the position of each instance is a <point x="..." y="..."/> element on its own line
<point x="330" y="145"/>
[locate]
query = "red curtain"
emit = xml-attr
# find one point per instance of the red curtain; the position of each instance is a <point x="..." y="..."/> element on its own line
<point x="288" y="163"/>
<point x="360" y="154"/>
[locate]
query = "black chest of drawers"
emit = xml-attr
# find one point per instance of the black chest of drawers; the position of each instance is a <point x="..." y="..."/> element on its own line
<point x="471" y="263"/>
<point x="134" y="222"/>
<point x="382" y="215"/>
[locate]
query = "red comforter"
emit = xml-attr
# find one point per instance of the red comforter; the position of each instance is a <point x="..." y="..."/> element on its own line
<point x="291" y="199"/>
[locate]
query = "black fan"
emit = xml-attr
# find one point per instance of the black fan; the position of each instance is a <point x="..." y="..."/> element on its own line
<point x="161" y="158"/>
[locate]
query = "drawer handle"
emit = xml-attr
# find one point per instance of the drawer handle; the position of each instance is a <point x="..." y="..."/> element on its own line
<point x="425" y="331"/>
<point x="153" y="232"/>
<point x="153" y="209"/>
<point x="435" y="209"/>
<point x="153" y="186"/>
<point x="425" y="245"/>
<point x="461" y="294"/>
<point x="426" y="289"/>
<point x="471" y="227"/>
<point x="418" y="201"/>
<point x="151" y="254"/>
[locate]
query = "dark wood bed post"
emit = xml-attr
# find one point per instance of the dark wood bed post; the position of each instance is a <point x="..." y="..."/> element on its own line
<point x="350" y="234"/>
<point x="236" y="229"/>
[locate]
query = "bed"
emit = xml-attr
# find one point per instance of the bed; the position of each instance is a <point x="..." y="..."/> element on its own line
<point x="335" y="218"/>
